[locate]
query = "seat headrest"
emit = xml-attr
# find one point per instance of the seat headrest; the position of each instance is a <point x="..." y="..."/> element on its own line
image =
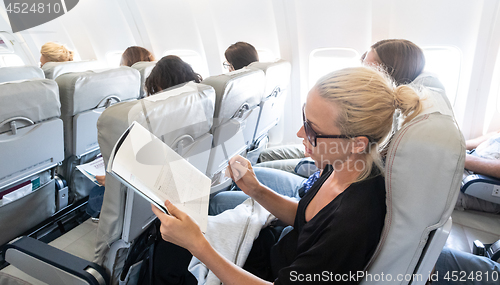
<point x="144" y="68"/>
<point x="185" y="109"/>
<point x="53" y="69"/>
<point x="277" y="74"/>
<point x="428" y="79"/>
<point x="20" y="73"/>
<point x="235" y="88"/>
<point x="434" y="100"/>
<point x="82" y="91"/>
<point x="36" y="99"/>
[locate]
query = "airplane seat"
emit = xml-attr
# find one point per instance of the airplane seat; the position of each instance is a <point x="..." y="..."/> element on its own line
<point x="271" y="106"/>
<point x="144" y="68"/>
<point x="53" y="69"/>
<point x="238" y="95"/>
<point x="84" y="96"/>
<point x="423" y="172"/>
<point x="182" y="117"/>
<point x="16" y="73"/>
<point x="31" y="146"/>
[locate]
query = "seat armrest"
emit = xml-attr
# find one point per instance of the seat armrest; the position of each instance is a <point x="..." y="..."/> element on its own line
<point x="482" y="186"/>
<point x="52" y="265"/>
<point x="306" y="167"/>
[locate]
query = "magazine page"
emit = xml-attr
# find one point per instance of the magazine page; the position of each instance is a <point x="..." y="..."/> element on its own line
<point x="158" y="172"/>
<point x="92" y="169"/>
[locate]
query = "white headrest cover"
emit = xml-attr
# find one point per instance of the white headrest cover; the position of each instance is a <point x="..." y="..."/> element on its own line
<point x="53" y="69"/>
<point x="82" y="91"/>
<point x="36" y="99"/>
<point x="235" y="88"/>
<point x="144" y="68"/>
<point x="20" y="73"/>
<point x="277" y="74"/>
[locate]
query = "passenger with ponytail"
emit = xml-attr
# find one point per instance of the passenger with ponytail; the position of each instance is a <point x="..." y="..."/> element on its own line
<point x="338" y="223"/>
<point x="54" y="52"/>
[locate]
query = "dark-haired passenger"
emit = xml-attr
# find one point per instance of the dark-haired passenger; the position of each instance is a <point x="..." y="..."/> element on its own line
<point x="135" y="54"/>
<point x="169" y="71"/>
<point x="239" y="55"/>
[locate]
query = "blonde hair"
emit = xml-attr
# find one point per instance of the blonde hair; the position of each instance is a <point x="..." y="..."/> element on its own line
<point x="367" y="100"/>
<point x="56" y="52"/>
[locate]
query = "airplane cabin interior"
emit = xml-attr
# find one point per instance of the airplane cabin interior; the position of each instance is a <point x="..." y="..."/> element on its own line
<point x="59" y="117"/>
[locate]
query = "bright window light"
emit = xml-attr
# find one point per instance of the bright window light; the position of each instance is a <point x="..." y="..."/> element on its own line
<point x="445" y="62"/>
<point x="266" y="55"/>
<point x="193" y="58"/>
<point x="325" y="60"/>
<point x="11" y="60"/>
<point x="114" y="58"/>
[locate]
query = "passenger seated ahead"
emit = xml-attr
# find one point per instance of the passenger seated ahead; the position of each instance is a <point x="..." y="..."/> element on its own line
<point x="403" y="60"/>
<point x="54" y="52"/>
<point x="485" y="159"/>
<point x="135" y="54"/>
<point x="239" y="55"/>
<point x="169" y="71"/>
<point x="337" y="224"/>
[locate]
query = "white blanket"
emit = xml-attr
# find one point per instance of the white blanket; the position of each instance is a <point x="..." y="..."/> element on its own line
<point x="232" y="234"/>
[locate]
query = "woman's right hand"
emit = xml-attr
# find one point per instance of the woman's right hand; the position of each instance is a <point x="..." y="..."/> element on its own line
<point x="241" y="171"/>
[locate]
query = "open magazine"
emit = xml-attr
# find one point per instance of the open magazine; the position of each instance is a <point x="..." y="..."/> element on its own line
<point x="155" y="171"/>
<point x="92" y="169"/>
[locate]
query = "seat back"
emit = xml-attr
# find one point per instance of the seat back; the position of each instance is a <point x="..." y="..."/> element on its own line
<point x="20" y="73"/>
<point x="144" y="68"/>
<point x="53" y="69"/>
<point x="31" y="144"/>
<point x="181" y="117"/>
<point x="238" y="95"/>
<point x="84" y="96"/>
<point x="423" y="173"/>
<point x="271" y="106"/>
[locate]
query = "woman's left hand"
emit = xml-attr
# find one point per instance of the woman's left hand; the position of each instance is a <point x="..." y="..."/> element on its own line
<point x="179" y="228"/>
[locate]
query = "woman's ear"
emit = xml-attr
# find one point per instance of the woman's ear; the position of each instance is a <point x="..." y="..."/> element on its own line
<point x="360" y="144"/>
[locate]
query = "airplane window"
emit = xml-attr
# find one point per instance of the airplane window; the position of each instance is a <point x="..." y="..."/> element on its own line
<point x="10" y="60"/>
<point x="191" y="57"/>
<point x="325" y="60"/>
<point x="445" y="62"/>
<point x="266" y="55"/>
<point x="113" y="58"/>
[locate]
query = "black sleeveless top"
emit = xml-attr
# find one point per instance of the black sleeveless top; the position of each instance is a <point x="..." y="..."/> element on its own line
<point x="340" y="239"/>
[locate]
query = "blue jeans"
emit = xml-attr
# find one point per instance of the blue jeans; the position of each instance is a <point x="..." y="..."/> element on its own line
<point x="96" y="196"/>
<point x="453" y="264"/>
<point x="282" y="182"/>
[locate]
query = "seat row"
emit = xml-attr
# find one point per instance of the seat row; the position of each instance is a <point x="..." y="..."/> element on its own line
<point x="423" y="168"/>
<point x="51" y="124"/>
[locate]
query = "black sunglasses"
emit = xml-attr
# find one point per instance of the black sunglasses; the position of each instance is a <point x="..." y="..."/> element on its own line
<point x="312" y="135"/>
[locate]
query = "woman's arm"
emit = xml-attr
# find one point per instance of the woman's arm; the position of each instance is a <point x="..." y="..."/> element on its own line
<point x="282" y="207"/>
<point x="181" y="230"/>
